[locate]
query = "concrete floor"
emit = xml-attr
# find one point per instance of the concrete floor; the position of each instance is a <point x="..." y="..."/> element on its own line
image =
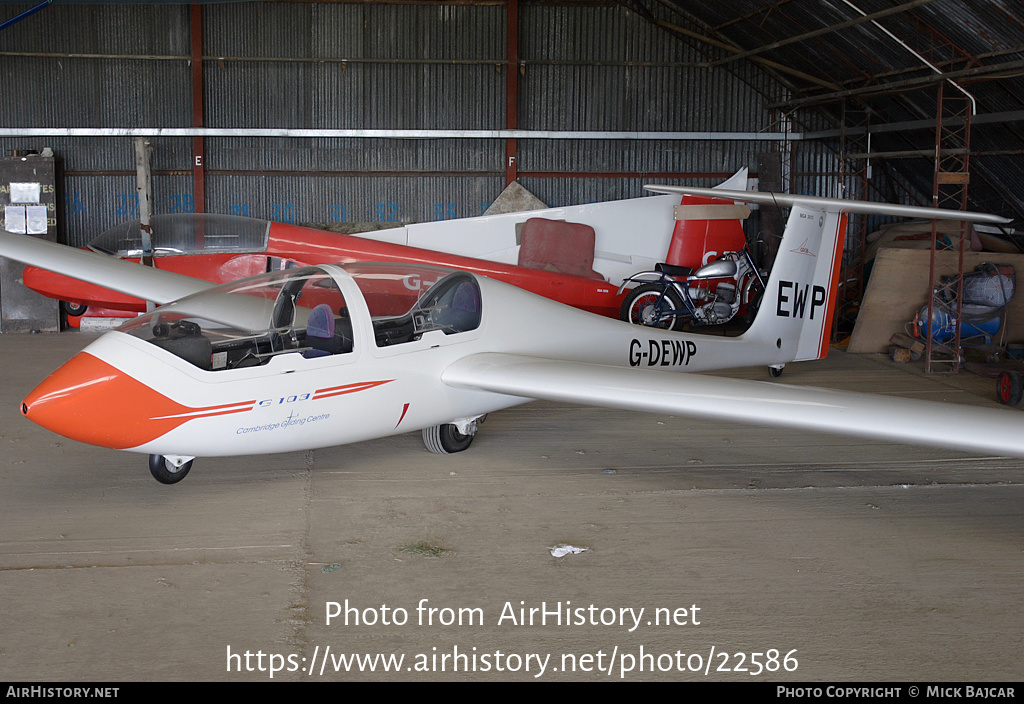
<point x="871" y="561"/>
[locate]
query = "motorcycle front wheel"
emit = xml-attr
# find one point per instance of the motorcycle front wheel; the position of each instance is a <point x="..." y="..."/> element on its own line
<point x="645" y="305"/>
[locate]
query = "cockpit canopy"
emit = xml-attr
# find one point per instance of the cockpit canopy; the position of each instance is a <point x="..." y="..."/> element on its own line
<point x="186" y="233"/>
<point x="408" y="300"/>
<point x="303" y="311"/>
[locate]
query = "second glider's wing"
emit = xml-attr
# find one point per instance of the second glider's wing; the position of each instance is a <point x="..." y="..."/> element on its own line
<point x="144" y="282"/>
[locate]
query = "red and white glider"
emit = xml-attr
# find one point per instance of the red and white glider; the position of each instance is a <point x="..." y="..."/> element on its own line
<point x="577" y="255"/>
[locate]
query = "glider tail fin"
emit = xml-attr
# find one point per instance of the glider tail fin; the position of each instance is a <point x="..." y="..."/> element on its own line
<point x="796" y="310"/>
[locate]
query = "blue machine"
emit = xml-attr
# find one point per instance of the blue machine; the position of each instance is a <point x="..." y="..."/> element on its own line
<point x="986" y="292"/>
<point x="943" y="328"/>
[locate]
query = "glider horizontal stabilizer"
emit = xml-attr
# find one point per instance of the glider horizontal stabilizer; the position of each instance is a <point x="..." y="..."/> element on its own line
<point x="834" y="205"/>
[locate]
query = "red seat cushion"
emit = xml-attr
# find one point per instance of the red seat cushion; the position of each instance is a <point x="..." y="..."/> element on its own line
<point x="563" y="247"/>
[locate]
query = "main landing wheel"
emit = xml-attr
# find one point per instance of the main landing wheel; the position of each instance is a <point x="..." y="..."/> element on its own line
<point x="73" y="309"/>
<point x="641" y="307"/>
<point x="1010" y="388"/>
<point x="164" y="471"/>
<point x="446" y="439"/>
<point x="776" y="371"/>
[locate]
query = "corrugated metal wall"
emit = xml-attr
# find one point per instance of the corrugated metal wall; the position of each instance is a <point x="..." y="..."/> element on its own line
<point x="372" y="66"/>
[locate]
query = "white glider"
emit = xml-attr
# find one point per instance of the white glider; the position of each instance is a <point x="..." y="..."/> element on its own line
<point x="327" y="355"/>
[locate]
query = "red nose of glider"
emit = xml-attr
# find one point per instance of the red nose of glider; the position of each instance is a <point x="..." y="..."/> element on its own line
<point x="90" y="401"/>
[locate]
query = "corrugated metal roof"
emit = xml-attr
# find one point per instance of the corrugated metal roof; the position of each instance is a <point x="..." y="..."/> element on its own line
<point x="984" y="38"/>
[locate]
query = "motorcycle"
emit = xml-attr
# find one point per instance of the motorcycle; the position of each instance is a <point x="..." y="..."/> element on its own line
<point x="672" y="296"/>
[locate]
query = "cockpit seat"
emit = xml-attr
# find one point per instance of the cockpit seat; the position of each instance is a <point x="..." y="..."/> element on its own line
<point x="326" y="334"/>
<point x="185" y="339"/>
<point x="464" y="313"/>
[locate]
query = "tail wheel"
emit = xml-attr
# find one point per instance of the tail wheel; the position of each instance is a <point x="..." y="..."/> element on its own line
<point x="165" y="471"/>
<point x="446" y="439"/>
<point x="645" y="305"/>
<point x="1010" y="388"/>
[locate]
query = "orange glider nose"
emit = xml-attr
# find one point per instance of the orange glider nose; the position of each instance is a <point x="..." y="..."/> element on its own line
<point x="94" y="402"/>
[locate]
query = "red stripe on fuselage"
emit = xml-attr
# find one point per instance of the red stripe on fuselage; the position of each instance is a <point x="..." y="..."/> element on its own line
<point x="348" y="388"/>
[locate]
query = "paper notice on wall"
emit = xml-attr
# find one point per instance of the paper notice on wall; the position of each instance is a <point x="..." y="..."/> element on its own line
<point x="14" y="219"/>
<point x="25" y="192"/>
<point x="36" y="219"/>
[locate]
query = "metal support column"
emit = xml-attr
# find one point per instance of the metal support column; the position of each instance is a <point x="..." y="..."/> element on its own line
<point x="511" y="89"/>
<point x="198" y="118"/>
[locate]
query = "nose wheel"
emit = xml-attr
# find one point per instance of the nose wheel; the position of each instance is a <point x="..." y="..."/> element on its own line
<point x="169" y="469"/>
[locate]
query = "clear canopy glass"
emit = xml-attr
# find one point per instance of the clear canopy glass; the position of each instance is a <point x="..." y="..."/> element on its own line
<point x="186" y="233"/>
<point x="302" y="310"/>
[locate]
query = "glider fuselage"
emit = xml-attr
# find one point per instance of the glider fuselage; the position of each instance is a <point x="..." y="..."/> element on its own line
<point x="124" y="392"/>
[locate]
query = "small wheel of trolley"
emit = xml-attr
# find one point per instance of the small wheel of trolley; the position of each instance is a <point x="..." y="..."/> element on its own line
<point x="1010" y="388"/>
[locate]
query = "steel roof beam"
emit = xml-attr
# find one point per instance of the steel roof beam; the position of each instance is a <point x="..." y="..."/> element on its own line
<point x="824" y="30"/>
<point x="304" y="133"/>
<point x="1010" y="67"/>
<point x="764" y="62"/>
